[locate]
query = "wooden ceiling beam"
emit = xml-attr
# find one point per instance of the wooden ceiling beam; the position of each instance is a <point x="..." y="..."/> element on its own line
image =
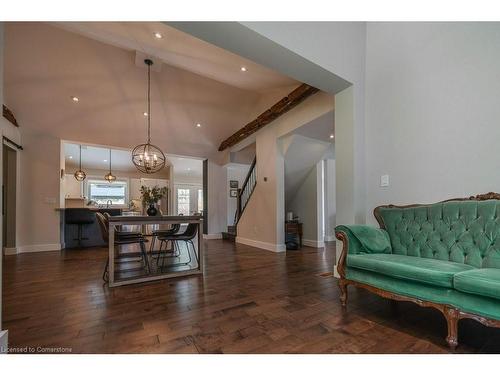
<point x="281" y="107"/>
<point x="7" y="113"/>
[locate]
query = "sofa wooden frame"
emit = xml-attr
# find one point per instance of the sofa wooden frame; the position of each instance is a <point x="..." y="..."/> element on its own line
<point x="452" y="314"/>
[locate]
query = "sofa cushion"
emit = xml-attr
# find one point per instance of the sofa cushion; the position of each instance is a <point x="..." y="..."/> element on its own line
<point x="484" y="282"/>
<point x="429" y="271"/>
<point x="461" y="231"/>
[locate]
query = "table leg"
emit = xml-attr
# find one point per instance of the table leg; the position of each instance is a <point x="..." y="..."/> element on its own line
<point x="111" y="267"/>
<point x="200" y="249"/>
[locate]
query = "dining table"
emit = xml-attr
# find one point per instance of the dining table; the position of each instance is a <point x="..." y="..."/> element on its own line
<point x="147" y="225"/>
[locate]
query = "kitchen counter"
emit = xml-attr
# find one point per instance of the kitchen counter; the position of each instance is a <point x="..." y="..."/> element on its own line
<point x="92" y="232"/>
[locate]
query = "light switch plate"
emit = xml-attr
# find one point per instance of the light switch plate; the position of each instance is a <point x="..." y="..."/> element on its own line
<point x="384" y="180"/>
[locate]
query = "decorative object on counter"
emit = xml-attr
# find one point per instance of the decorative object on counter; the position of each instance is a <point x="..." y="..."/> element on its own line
<point x="135" y="205"/>
<point x="233" y="193"/>
<point x="79" y="174"/>
<point x="147" y="157"/>
<point x="109" y="176"/>
<point x="151" y="196"/>
<point x="233" y="184"/>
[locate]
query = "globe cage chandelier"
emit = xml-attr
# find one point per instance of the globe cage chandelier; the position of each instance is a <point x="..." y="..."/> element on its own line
<point x="109" y="176"/>
<point x="147" y="157"/>
<point x="79" y="174"/>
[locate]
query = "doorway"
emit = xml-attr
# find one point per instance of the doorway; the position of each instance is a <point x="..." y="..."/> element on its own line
<point x="9" y="186"/>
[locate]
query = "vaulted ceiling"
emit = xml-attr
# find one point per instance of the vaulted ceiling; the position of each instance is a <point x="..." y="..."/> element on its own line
<point x="198" y="83"/>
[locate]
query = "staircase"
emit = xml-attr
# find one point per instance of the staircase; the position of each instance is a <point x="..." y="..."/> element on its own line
<point x="243" y="197"/>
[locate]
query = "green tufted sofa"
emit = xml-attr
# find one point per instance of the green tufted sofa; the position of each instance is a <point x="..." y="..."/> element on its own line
<point x="444" y="255"/>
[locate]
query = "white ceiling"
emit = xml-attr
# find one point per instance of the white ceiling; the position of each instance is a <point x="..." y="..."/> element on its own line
<point x="46" y="65"/>
<point x="94" y="157"/>
<point x="187" y="168"/>
<point x="184" y="51"/>
<point x="320" y="128"/>
<point x="97" y="158"/>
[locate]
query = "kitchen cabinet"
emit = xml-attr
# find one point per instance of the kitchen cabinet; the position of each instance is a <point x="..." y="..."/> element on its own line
<point x="135" y="188"/>
<point x="72" y="187"/>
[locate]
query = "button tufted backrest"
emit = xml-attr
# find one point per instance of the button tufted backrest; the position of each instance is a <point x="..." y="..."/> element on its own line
<point x="459" y="231"/>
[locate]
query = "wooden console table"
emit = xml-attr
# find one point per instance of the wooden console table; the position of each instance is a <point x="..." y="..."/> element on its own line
<point x="294" y="227"/>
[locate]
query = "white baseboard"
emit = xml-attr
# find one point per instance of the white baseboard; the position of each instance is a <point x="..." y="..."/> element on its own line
<point x="330" y="238"/>
<point x="212" y="236"/>
<point x="4" y="342"/>
<point x="10" y="250"/>
<point x="37" y="248"/>
<point x="313" y="243"/>
<point x="277" y="248"/>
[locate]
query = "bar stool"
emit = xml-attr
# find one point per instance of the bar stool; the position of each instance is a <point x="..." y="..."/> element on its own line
<point x="79" y="217"/>
<point x="121" y="238"/>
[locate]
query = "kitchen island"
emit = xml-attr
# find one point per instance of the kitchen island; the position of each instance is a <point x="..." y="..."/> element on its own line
<point x="182" y="259"/>
<point x="91" y="232"/>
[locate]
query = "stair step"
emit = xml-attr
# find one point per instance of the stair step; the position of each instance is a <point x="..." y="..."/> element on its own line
<point x="229" y="236"/>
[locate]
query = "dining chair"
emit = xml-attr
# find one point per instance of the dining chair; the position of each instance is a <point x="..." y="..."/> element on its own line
<point x="121" y="238"/>
<point x="162" y="233"/>
<point x="186" y="237"/>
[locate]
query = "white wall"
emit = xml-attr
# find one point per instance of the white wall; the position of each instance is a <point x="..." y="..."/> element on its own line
<point x="40" y="191"/>
<point x="432" y="93"/>
<point x="340" y="48"/>
<point x="307" y="204"/>
<point x="330" y="206"/>
<point x="216" y="205"/>
<point x="262" y="223"/>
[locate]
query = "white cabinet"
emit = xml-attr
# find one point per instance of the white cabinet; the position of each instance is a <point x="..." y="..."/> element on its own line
<point x="135" y="188"/>
<point x="72" y="187"/>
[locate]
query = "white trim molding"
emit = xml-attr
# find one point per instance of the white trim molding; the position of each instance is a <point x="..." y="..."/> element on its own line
<point x="313" y="243"/>
<point x="10" y="250"/>
<point x="36" y="248"/>
<point x="276" y="248"/>
<point x="212" y="236"/>
<point x="4" y="342"/>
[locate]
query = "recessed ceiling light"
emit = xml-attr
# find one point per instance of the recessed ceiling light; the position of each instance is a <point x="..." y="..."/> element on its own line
<point x="158" y="35"/>
<point x="145" y="114"/>
<point x="70" y="157"/>
<point x="198" y="125"/>
<point x="75" y="99"/>
<point x="105" y="160"/>
<point x="243" y="69"/>
<point x="189" y="169"/>
<point x="331" y="136"/>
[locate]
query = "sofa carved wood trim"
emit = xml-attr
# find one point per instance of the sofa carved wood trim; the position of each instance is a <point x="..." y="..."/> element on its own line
<point x="452" y="314"/>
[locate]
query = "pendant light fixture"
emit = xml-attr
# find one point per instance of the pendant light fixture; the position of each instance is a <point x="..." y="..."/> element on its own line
<point x="109" y="176"/>
<point x="147" y="157"/>
<point x="79" y="174"/>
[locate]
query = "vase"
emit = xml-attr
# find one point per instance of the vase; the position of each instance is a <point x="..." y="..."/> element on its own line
<point x="151" y="211"/>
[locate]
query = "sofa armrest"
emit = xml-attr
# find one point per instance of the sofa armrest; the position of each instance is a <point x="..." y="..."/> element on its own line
<point x="361" y="239"/>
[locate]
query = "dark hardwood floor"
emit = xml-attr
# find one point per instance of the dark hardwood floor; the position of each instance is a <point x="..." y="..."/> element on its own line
<point x="248" y="301"/>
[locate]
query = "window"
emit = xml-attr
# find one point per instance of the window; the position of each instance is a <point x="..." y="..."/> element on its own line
<point x="102" y="192"/>
<point x="183" y="201"/>
<point x="200" y="200"/>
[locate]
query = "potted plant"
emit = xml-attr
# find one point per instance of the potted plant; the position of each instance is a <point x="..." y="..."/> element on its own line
<point x="151" y="196"/>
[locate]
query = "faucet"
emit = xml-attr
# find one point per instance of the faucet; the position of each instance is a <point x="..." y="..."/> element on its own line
<point x="109" y="202"/>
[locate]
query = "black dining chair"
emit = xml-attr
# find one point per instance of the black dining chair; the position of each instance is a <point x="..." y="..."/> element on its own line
<point x="186" y="237"/>
<point x="121" y="238"/>
<point x="162" y="233"/>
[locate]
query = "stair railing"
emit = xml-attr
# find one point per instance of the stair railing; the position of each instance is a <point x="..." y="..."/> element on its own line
<point x="246" y="191"/>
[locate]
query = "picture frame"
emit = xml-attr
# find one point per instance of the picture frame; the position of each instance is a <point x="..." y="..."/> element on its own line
<point x="233" y="193"/>
<point x="233" y="184"/>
